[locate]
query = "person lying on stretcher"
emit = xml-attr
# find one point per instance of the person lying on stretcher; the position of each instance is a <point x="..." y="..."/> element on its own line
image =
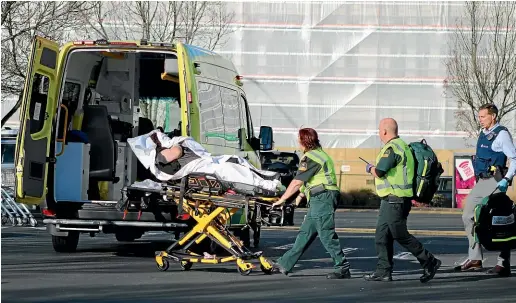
<point x="173" y="158"/>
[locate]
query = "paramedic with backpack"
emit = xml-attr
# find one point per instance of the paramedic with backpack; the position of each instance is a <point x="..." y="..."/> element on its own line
<point x="394" y="175"/>
<point x="494" y="146"/>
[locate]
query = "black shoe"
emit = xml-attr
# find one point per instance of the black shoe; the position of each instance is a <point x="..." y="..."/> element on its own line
<point x="502" y="271"/>
<point x="376" y="277"/>
<point x="277" y="268"/>
<point x="345" y="274"/>
<point x="430" y="270"/>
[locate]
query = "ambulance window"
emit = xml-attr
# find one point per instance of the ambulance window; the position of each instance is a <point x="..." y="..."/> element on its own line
<point x="231" y="111"/>
<point x="245" y="118"/>
<point x="38" y="103"/>
<point x="8" y="153"/>
<point x="212" y="117"/>
<point x="48" y="58"/>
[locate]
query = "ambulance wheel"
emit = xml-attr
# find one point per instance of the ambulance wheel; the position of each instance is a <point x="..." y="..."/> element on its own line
<point x="257" y="235"/>
<point x="186" y="265"/>
<point x="66" y="244"/>
<point x="244" y="272"/>
<point x="163" y="267"/>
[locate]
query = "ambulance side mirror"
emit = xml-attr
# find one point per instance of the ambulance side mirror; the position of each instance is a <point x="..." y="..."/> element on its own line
<point x="266" y="138"/>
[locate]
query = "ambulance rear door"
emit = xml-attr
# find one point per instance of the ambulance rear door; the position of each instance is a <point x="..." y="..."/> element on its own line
<point x="36" y="115"/>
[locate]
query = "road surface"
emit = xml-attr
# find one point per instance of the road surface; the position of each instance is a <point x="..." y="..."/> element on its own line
<point x="104" y="270"/>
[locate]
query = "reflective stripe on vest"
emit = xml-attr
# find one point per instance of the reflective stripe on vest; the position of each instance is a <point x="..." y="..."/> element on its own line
<point x="398" y="180"/>
<point x="325" y="176"/>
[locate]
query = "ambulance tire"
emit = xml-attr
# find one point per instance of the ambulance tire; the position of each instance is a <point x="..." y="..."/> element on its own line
<point x="66" y="244"/>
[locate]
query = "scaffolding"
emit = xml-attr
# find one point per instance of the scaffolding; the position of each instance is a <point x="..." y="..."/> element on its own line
<point x="341" y="67"/>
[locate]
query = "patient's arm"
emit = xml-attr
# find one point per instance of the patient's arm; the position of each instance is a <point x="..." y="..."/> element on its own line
<point x="172" y="154"/>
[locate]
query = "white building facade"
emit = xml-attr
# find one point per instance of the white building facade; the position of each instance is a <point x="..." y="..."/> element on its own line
<point x="340" y="67"/>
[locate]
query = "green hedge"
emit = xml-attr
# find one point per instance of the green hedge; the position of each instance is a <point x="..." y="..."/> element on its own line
<point x="367" y="198"/>
<point x="364" y="197"/>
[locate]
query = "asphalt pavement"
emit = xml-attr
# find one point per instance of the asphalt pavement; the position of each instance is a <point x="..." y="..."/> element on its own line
<point x="104" y="270"/>
<point x="417" y="220"/>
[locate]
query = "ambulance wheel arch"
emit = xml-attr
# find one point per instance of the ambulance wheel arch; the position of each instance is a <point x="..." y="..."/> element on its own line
<point x="36" y="121"/>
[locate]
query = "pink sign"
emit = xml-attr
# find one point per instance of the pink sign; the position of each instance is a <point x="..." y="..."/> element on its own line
<point x="464" y="180"/>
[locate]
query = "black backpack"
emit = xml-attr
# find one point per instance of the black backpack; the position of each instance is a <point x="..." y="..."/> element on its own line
<point x="495" y="226"/>
<point x="427" y="171"/>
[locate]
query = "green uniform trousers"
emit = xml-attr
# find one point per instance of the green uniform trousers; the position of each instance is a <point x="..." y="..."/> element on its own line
<point x="320" y="221"/>
<point x="392" y="226"/>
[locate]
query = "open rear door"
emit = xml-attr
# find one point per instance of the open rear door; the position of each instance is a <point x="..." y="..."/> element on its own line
<point x="36" y="115"/>
<point x="184" y="88"/>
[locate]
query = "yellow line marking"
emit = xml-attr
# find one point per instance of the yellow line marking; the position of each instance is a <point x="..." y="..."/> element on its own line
<point x="420" y="232"/>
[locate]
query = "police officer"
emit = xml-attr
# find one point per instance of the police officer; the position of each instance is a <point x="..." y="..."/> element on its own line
<point x="317" y="181"/>
<point x="394" y="172"/>
<point x="494" y="146"/>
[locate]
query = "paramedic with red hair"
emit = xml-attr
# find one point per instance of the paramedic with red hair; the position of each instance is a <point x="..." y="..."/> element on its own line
<point x="316" y="180"/>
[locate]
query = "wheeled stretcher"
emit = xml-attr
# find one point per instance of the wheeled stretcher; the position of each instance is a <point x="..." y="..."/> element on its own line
<point x="211" y="203"/>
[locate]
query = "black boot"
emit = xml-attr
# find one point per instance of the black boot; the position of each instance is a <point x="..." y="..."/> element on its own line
<point x="502" y="271"/>
<point x="343" y="274"/>
<point x="430" y="270"/>
<point x="377" y="277"/>
<point x="277" y="268"/>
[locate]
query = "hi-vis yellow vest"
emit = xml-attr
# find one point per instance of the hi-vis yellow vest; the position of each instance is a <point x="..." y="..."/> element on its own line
<point x="398" y="180"/>
<point x="326" y="174"/>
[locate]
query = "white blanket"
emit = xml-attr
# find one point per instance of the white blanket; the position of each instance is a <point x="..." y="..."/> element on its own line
<point x="244" y="172"/>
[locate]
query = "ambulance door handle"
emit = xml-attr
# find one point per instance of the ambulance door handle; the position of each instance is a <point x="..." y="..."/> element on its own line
<point x="65" y="127"/>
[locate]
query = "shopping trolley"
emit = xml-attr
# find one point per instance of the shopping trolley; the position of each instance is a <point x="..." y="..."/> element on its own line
<point x="17" y="214"/>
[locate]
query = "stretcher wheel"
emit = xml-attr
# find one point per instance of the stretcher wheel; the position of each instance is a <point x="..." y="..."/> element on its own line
<point x="244" y="272"/>
<point x="265" y="270"/>
<point x="186" y="265"/>
<point x="165" y="265"/>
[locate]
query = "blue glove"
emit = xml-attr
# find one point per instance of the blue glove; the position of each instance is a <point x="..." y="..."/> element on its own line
<point x="368" y="168"/>
<point x="503" y="185"/>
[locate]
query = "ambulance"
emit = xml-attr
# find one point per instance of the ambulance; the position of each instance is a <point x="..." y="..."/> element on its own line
<point x="83" y="100"/>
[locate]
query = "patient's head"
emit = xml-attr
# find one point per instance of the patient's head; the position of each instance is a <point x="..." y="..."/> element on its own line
<point x="308" y="139"/>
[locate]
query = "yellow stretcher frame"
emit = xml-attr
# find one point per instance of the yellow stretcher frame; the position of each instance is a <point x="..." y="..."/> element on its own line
<point x="211" y="212"/>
